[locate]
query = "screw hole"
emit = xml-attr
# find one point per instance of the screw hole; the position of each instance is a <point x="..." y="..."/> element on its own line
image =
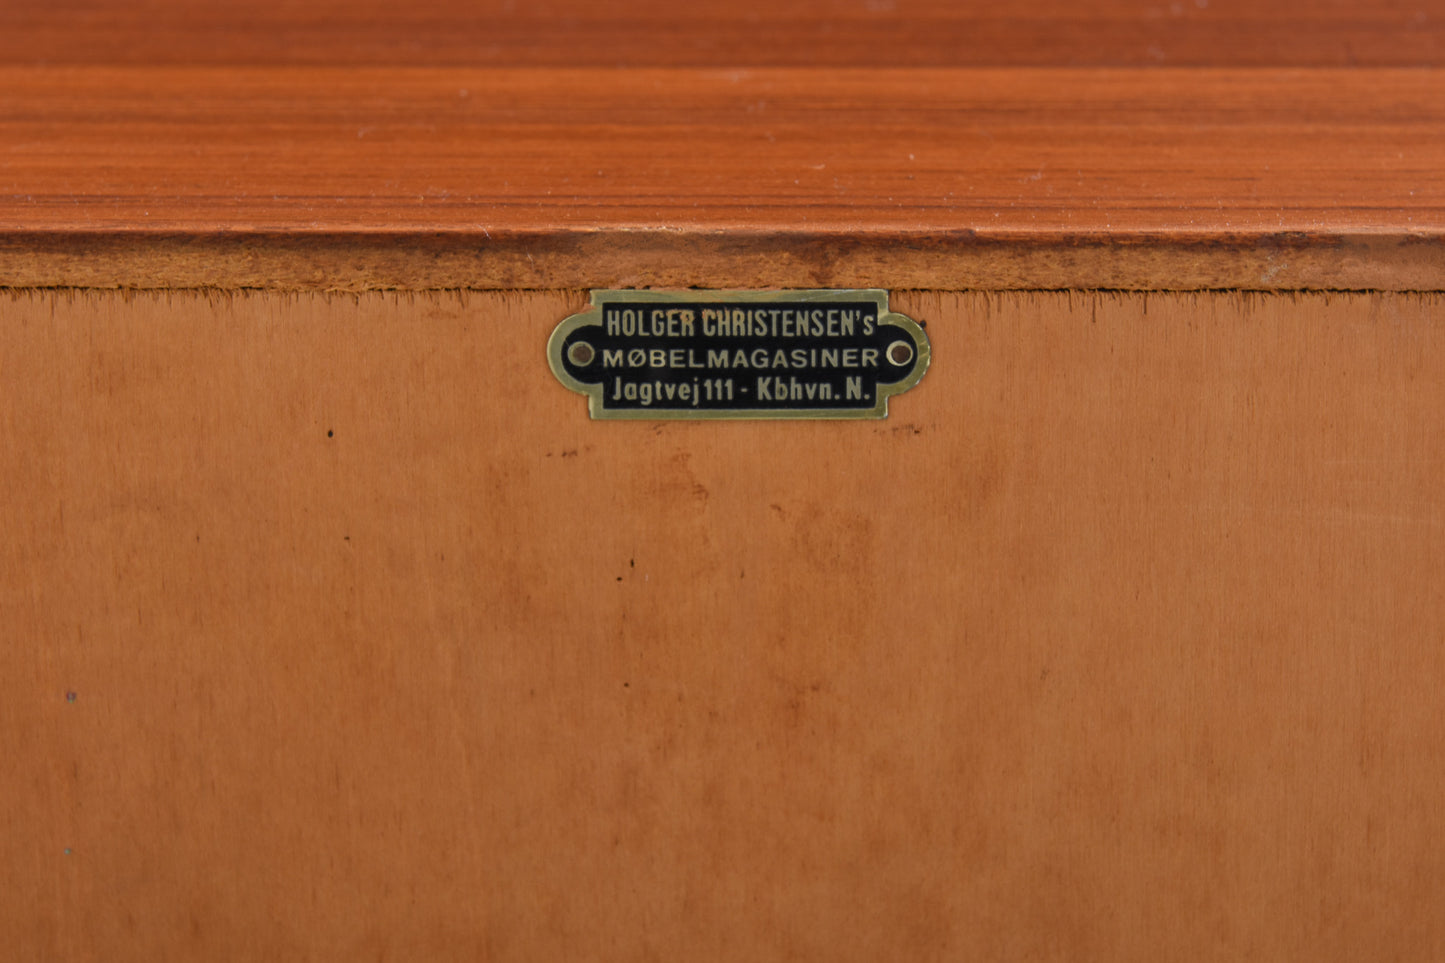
<point x="581" y="354"/>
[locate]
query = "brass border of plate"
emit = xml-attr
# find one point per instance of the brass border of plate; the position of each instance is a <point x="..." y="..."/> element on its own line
<point x="593" y="315"/>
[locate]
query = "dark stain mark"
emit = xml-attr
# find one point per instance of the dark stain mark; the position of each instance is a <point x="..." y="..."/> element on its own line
<point x="627" y="685"/>
<point x="632" y="563"/>
<point x="329" y="433"/>
<point x="619" y="578"/>
<point x="346" y="538"/>
<point x="71" y="696"/>
<point x="570" y="453"/>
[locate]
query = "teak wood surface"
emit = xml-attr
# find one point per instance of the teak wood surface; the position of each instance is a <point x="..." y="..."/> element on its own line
<point x="330" y="627"/>
<point x="570" y="144"/>
<point x="727" y="33"/>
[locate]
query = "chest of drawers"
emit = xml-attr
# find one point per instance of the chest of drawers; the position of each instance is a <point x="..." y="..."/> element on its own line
<point x="332" y="627"/>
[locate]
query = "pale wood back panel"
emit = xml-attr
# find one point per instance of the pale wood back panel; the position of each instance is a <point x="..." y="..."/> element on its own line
<point x="333" y="629"/>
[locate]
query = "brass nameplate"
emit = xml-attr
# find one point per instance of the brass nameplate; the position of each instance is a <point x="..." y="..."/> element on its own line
<point x="739" y="354"/>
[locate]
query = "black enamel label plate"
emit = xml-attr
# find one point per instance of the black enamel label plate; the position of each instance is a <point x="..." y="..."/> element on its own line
<point x="739" y="354"/>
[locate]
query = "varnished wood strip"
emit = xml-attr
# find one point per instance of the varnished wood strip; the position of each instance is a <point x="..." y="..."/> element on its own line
<point x="727" y="33"/>
<point x="932" y="178"/>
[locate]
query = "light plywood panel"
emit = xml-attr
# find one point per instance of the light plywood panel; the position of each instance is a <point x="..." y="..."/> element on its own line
<point x="333" y="629"/>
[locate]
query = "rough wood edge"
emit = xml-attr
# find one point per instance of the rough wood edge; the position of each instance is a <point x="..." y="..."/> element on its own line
<point x="722" y="258"/>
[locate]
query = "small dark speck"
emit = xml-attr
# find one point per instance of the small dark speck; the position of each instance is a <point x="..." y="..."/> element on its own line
<point x="619" y="578"/>
<point x="67" y="851"/>
<point x="570" y="453"/>
<point x="70" y="697"/>
<point x="329" y="433"/>
<point x="627" y="685"/>
<point x="346" y="537"/>
<point x="632" y="563"/>
<point x="923" y="324"/>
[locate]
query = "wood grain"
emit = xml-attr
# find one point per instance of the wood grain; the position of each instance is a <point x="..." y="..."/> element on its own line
<point x="334" y="630"/>
<point x="896" y="178"/>
<point x="726" y="33"/>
